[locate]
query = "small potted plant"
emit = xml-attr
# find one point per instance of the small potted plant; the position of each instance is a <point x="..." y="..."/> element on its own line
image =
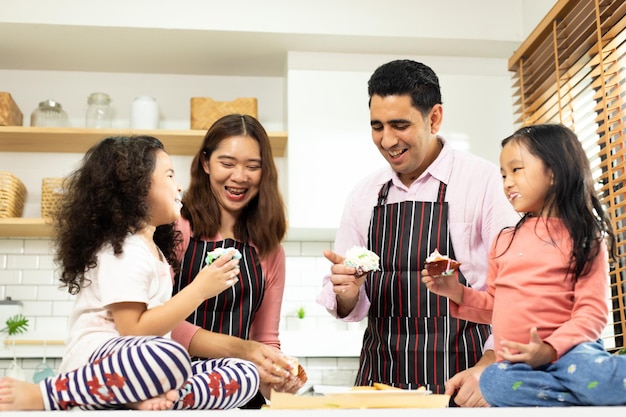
<point x="301" y="312"/>
<point x="15" y="324"/>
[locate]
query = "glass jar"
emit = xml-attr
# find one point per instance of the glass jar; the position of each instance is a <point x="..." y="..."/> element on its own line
<point x="50" y="113"/>
<point x="99" y="111"/>
<point x="144" y="113"/>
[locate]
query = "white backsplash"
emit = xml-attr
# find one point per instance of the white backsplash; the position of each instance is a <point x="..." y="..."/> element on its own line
<point x="328" y="348"/>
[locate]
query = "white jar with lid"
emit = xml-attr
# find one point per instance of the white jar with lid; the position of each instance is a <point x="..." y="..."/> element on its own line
<point x="99" y="111"/>
<point x="49" y="113"/>
<point x="144" y="113"/>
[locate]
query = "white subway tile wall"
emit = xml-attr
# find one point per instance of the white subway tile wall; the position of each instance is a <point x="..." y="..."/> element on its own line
<point x="27" y="274"/>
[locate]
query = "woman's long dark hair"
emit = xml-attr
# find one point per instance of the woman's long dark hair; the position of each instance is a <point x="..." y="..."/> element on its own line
<point x="263" y="221"/>
<point x="572" y="196"/>
<point x="104" y="200"/>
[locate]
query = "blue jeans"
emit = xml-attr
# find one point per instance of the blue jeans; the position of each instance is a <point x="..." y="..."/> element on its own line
<point x="586" y="375"/>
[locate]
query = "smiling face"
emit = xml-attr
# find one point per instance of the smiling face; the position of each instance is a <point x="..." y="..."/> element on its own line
<point x="235" y="170"/>
<point x="164" y="197"/>
<point x="404" y="137"/>
<point x="525" y="177"/>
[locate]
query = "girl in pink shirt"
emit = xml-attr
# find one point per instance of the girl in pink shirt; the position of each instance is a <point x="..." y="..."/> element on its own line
<point x="547" y="282"/>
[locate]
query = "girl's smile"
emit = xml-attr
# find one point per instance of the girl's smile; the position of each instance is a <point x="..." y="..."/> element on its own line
<point x="526" y="179"/>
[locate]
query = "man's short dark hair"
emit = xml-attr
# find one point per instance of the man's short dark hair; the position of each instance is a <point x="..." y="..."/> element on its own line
<point x="407" y="77"/>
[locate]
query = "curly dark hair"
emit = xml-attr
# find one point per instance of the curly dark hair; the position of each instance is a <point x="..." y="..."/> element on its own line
<point x="407" y="77"/>
<point x="104" y="201"/>
<point x="263" y="221"/>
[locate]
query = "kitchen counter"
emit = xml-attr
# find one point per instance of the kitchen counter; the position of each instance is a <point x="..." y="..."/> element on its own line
<point x="396" y="412"/>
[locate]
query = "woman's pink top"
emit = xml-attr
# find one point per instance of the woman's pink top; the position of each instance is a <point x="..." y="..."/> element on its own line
<point x="264" y="329"/>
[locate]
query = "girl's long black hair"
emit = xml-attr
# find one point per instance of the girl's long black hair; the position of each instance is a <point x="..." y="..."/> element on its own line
<point x="572" y="196"/>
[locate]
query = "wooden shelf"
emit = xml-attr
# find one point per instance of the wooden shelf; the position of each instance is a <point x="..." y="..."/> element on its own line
<point x="79" y="140"/>
<point x="24" y="227"/>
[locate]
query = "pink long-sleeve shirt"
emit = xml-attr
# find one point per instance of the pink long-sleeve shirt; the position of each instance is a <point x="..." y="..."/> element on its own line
<point x="478" y="211"/>
<point x="264" y="329"/>
<point x="527" y="287"/>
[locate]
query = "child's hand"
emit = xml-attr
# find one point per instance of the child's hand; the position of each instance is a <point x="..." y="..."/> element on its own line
<point x="444" y="285"/>
<point x="535" y="354"/>
<point x="222" y="274"/>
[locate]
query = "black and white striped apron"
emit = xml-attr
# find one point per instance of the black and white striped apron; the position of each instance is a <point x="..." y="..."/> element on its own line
<point x="232" y="311"/>
<point x="411" y="340"/>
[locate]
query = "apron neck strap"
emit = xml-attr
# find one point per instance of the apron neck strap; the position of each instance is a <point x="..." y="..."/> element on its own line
<point x="384" y="192"/>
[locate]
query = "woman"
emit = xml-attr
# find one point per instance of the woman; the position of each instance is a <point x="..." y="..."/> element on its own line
<point x="233" y="200"/>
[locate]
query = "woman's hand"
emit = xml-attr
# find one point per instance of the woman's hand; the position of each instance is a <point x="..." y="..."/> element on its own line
<point x="272" y="364"/>
<point x="275" y="370"/>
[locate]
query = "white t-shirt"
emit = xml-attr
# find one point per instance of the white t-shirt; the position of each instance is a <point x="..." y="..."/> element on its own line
<point x="133" y="276"/>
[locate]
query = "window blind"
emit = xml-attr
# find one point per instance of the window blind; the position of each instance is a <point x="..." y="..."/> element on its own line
<point x="571" y="70"/>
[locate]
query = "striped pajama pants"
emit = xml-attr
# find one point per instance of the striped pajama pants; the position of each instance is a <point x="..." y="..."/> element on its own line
<point x="136" y="368"/>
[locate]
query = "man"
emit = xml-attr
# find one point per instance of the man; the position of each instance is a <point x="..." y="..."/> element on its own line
<point x="429" y="197"/>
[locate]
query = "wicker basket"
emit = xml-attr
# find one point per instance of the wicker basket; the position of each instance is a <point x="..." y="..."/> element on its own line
<point x="12" y="195"/>
<point x="10" y="114"/>
<point x="205" y="111"/>
<point x="51" y="194"/>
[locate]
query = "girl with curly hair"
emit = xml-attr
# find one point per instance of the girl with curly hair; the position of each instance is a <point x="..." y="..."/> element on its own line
<point x="115" y="245"/>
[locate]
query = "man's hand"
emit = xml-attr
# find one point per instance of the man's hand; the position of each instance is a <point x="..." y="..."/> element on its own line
<point x="465" y="383"/>
<point x="345" y="283"/>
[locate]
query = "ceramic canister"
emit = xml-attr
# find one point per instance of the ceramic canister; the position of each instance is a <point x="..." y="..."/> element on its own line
<point x="144" y="113"/>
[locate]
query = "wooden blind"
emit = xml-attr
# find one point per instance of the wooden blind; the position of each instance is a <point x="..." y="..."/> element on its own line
<point x="571" y="70"/>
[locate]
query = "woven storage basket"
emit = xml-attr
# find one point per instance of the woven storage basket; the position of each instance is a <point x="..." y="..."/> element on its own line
<point x="10" y="114"/>
<point x="12" y="195"/>
<point x="51" y="194"/>
<point x="205" y="111"/>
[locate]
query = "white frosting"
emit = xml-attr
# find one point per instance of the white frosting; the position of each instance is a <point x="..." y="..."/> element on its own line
<point x="435" y="255"/>
<point x="362" y="258"/>
<point x="217" y="252"/>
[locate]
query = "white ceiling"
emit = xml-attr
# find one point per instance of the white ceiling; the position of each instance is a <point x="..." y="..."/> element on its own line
<point x="251" y="37"/>
<point x="176" y="51"/>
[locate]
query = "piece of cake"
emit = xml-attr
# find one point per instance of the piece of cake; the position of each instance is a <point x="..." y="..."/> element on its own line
<point x="438" y="264"/>
<point x="362" y="259"/>
<point x="297" y="369"/>
<point x="217" y="252"/>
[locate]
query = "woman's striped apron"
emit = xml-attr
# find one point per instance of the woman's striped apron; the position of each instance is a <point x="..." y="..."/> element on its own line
<point x="232" y="311"/>
<point x="411" y="340"/>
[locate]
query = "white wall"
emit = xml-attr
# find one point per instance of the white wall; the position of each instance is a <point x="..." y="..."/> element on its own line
<point x="320" y="99"/>
<point x="172" y="92"/>
<point x="330" y="145"/>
